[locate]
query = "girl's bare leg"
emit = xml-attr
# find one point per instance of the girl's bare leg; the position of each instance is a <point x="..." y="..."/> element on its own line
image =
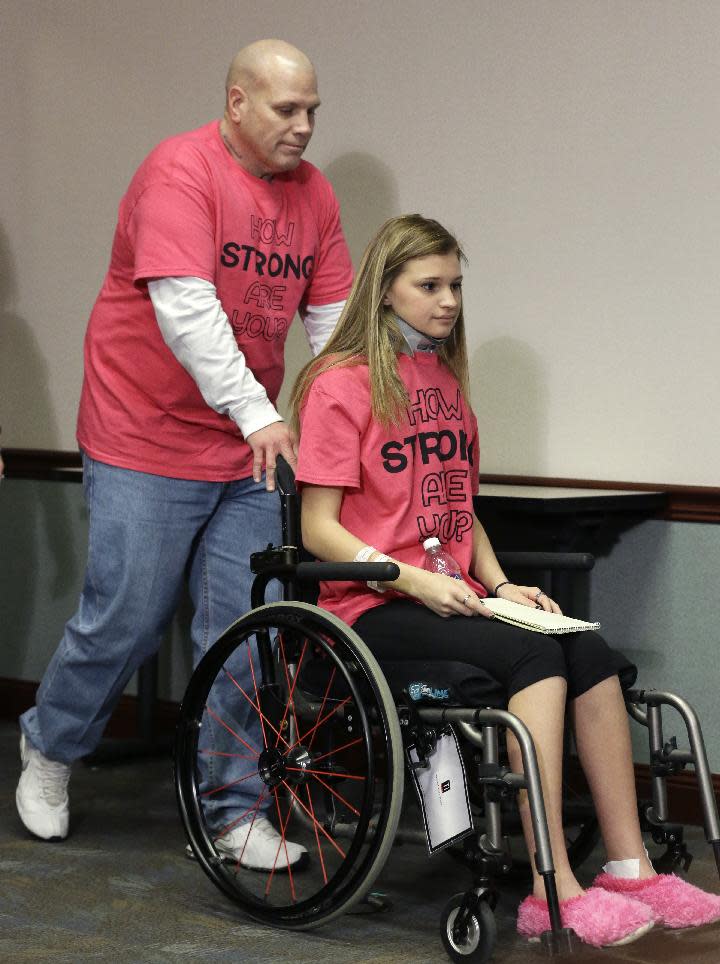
<point x="541" y="707"/>
<point x="602" y="738"/>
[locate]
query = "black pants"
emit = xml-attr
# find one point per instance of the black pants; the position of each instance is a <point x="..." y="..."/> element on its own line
<point x="513" y="658"/>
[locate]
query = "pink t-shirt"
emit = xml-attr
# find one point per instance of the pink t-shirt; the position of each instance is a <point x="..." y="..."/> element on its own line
<point x="402" y="485"/>
<point x="192" y="211"/>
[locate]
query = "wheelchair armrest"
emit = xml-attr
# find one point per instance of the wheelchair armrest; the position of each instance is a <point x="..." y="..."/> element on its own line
<point x="553" y="561"/>
<point x="346" y="571"/>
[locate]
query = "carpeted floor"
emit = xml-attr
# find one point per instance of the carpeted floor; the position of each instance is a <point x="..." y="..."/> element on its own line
<point x="120" y="889"/>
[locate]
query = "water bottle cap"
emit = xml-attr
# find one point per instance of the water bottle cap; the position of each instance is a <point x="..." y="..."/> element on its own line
<point x="431" y="542"/>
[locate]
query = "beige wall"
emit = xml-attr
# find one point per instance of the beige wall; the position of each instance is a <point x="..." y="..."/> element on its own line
<point x="572" y="144"/>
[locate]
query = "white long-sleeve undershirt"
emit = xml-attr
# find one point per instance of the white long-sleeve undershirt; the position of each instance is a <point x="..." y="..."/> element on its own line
<point x="197" y="331"/>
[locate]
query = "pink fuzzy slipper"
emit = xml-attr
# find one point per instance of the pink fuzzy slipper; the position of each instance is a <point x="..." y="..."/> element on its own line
<point x="674" y="901"/>
<point x="595" y="919"/>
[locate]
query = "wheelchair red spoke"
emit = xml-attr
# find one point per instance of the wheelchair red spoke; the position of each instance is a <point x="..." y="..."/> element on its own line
<point x="235" y="756"/>
<point x="320" y="723"/>
<point x="256" y="809"/>
<point x="316" y="823"/>
<point x="317" y="837"/>
<point x="237" y="736"/>
<point x="256" y="705"/>
<point x="283" y="844"/>
<point x="238" y="820"/>
<point x="233" y="783"/>
<point x="337" y="749"/>
<point x="291" y="687"/>
<point x="326" y="773"/>
<point x="338" y="795"/>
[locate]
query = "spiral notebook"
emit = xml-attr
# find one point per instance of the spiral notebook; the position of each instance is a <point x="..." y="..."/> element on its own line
<point x="536" y="620"/>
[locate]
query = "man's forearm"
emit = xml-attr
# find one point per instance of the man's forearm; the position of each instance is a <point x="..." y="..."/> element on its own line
<point x="197" y="331"/>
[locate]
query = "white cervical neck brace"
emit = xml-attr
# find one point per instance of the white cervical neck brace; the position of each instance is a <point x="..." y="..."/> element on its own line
<point x="416" y="341"/>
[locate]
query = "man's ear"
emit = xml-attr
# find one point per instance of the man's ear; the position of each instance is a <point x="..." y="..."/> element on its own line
<point x="236" y="102"/>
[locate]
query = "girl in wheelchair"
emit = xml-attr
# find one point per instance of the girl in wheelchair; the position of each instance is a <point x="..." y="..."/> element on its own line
<point x="389" y="455"/>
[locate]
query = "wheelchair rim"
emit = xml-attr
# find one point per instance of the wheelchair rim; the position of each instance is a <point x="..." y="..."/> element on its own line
<point x="343" y="887"/>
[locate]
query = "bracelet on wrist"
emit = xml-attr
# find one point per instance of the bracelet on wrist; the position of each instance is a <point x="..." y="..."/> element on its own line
<point x="500" y="585"/>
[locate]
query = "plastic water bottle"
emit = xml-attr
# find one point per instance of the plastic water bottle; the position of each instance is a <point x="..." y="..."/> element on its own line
<point x="438" y="559"/>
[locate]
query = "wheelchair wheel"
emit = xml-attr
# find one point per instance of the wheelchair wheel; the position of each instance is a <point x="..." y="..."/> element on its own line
<point x="475" y="940"/>
<point x="291" y="703"/>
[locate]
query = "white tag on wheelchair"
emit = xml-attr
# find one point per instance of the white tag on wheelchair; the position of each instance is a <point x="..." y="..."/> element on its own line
<point x="442" y="792"/>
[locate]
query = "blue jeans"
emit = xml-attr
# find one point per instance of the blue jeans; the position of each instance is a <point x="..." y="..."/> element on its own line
<point x="147" y="534"/>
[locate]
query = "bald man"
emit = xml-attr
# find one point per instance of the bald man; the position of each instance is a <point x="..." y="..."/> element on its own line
<point x="223" y="235"/>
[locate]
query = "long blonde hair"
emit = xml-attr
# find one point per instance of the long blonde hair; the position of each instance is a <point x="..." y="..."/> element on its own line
<point x="367" y="331"/>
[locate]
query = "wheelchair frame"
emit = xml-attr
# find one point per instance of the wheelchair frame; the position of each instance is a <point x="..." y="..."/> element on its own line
<point x="467" y="922"/>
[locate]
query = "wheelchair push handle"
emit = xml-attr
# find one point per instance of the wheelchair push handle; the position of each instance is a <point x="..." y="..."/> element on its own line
<point x="323" y="571"/>
<point x="284" y="476"/>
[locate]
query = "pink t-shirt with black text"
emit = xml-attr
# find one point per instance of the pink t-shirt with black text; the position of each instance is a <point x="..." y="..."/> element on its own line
<point x="403" y="484"/>
<point x="268" y="247"/>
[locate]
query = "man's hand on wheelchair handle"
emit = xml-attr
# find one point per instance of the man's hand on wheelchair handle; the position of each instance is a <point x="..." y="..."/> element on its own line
<point x="266" y="444"/>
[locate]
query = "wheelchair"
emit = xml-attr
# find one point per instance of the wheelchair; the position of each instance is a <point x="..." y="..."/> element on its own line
<point x="332" y="764"/>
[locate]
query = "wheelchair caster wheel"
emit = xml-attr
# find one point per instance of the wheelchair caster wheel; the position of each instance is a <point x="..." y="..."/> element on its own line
<point x="473" y="939"/>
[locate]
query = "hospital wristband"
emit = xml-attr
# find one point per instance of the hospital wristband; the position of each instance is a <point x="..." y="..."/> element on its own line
<point x="363" y="555"/>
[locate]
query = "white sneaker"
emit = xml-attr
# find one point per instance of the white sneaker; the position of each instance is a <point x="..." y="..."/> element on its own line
<point x="41" y="797"/>
<point x="258" y="846"/>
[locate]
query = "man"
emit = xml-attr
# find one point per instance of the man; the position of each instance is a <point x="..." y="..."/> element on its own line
<point x="222" y="235"/>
